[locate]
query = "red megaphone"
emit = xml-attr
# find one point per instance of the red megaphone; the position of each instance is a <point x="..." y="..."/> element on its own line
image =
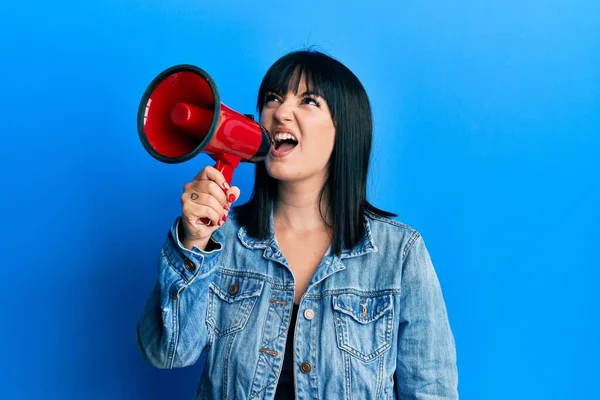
<point x="181" y="115"/>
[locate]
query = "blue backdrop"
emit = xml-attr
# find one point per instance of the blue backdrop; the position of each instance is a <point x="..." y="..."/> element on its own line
<point x="487" y="123"/>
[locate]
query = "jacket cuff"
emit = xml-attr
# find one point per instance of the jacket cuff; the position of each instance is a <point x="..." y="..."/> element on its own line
<point x="190" y="263"/>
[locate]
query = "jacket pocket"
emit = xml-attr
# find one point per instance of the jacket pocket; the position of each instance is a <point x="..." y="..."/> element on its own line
<point x="363" y="324"/>
<point x="231" y="300"/>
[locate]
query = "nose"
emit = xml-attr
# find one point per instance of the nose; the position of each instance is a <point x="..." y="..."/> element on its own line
<point x="284" y="112"/>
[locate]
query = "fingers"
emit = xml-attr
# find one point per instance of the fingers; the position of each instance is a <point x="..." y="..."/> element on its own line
<point x="233" y="194"/>
<point x="206" y="187"/>
<point x="195" y="213"/>
<point x="206" y="199"/>
<point x="214" y="175"/>
<point x="198" y="202"/>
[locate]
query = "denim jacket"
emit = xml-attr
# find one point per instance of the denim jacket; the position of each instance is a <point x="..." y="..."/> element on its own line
<point x="372" y="323"/>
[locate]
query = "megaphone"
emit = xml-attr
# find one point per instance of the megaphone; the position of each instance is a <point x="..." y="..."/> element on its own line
<point x="181" y="115"/>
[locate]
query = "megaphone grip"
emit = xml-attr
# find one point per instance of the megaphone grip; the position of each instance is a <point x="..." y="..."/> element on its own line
<point x="227" y="170"/>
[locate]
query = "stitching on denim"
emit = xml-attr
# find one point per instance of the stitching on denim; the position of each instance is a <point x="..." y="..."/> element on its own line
<point x="348" y="376"/>
<point x="333" y="292"/>
<point x="210" y="332"/>
<point x="265" y="342"/>
<point x="281" y="331"/>
<point x="265" y="388"/>
<point x="258" y="364"/>
<point x="268" y="342"/>
<point x="390" y="222"/>
<point x="256" y="275"/>
<point x="172" y="265"/>
<point x="226" y="365"/>
<point x="175" y="340"/>
<point x="313" y="336"/>
<point x="362" y="318"/>
<point x="268" y="384"/>
<point x="410" y="243"/>
<point x="268" y="362"/>
<point x="243" y="314"/>
<point x="252" y="243"/>
<point x="181" y="253"/>
<point x="365" y="246"/>
<point x="345" y="342"/>
<point x="379" y="390"/>
<point x="250" y="292"/>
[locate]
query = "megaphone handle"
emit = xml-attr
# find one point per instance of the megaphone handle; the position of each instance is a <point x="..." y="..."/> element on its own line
<point x="227" y="170"/>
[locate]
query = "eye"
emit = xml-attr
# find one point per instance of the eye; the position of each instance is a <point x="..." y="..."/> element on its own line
<point x="311" y="101"/>
<point x="269" y="97"/>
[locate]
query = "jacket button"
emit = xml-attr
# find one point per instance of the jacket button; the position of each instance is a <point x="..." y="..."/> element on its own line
<point x="233" y="289"/>
<point x="309" y="314"/>
<point x="189" y="265"/>
<point x="306" y="367"/>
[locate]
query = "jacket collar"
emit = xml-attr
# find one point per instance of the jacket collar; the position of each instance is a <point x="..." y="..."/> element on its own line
<point x="364" y="246"/>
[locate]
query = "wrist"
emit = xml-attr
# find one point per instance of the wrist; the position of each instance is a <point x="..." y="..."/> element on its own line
<point x="188" y="242"/>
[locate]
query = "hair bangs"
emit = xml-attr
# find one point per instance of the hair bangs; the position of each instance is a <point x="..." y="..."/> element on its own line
<point x="291" y="71"/>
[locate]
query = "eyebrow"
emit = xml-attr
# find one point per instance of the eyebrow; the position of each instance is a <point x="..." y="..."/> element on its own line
<point x="306" y="93"/>
<point x="310" y="93"/>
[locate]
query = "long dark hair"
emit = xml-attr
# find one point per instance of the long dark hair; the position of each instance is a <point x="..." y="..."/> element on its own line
<point x="346" y="182"/>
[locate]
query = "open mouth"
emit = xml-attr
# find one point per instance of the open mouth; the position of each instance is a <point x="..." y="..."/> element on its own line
<point x="284" y="142"/>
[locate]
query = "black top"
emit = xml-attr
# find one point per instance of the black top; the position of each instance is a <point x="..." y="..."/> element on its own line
<point x="285" y="386"/>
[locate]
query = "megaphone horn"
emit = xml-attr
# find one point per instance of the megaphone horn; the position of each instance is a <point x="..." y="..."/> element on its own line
<point x="181" y="115"/>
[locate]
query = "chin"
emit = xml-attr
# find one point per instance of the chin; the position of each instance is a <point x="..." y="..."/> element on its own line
<point x="287" y="173"/>
<point x="281" y="172"/>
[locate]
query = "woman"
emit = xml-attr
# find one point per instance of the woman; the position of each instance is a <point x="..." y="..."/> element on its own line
<point x="307" y="290"/>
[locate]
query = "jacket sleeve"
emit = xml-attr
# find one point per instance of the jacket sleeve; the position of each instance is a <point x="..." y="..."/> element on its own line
<point x="426" y="366"/>
<point x="171" y="331"/>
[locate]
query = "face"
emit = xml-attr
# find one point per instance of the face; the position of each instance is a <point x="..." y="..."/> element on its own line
<point x="303" y="133"/>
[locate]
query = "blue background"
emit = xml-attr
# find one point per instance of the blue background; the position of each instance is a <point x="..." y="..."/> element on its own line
<point x="487" y="123"/>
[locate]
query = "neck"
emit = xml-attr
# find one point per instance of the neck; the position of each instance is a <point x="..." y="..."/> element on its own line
<point x="297" y="208"/>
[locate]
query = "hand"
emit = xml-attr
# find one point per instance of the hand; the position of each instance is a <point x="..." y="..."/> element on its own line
<point x="207" y="198"/>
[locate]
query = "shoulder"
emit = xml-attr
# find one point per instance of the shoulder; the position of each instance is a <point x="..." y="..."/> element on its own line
<point x="390" y="224"/>
<point x="391" y="233"/>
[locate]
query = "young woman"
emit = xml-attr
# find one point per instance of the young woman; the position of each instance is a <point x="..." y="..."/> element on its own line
<point x="307" y="290"/>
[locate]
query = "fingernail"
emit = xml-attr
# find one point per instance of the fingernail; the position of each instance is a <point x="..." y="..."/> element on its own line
<point x="231" y="198"/>
<point x="226" y="185"/>
<point x="220" y="222"/>
<point x="224" y="218"/>
<point x="227" y="206"/>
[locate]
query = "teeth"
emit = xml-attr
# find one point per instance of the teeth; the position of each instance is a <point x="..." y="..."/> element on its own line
<point x="283" y="136"/>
